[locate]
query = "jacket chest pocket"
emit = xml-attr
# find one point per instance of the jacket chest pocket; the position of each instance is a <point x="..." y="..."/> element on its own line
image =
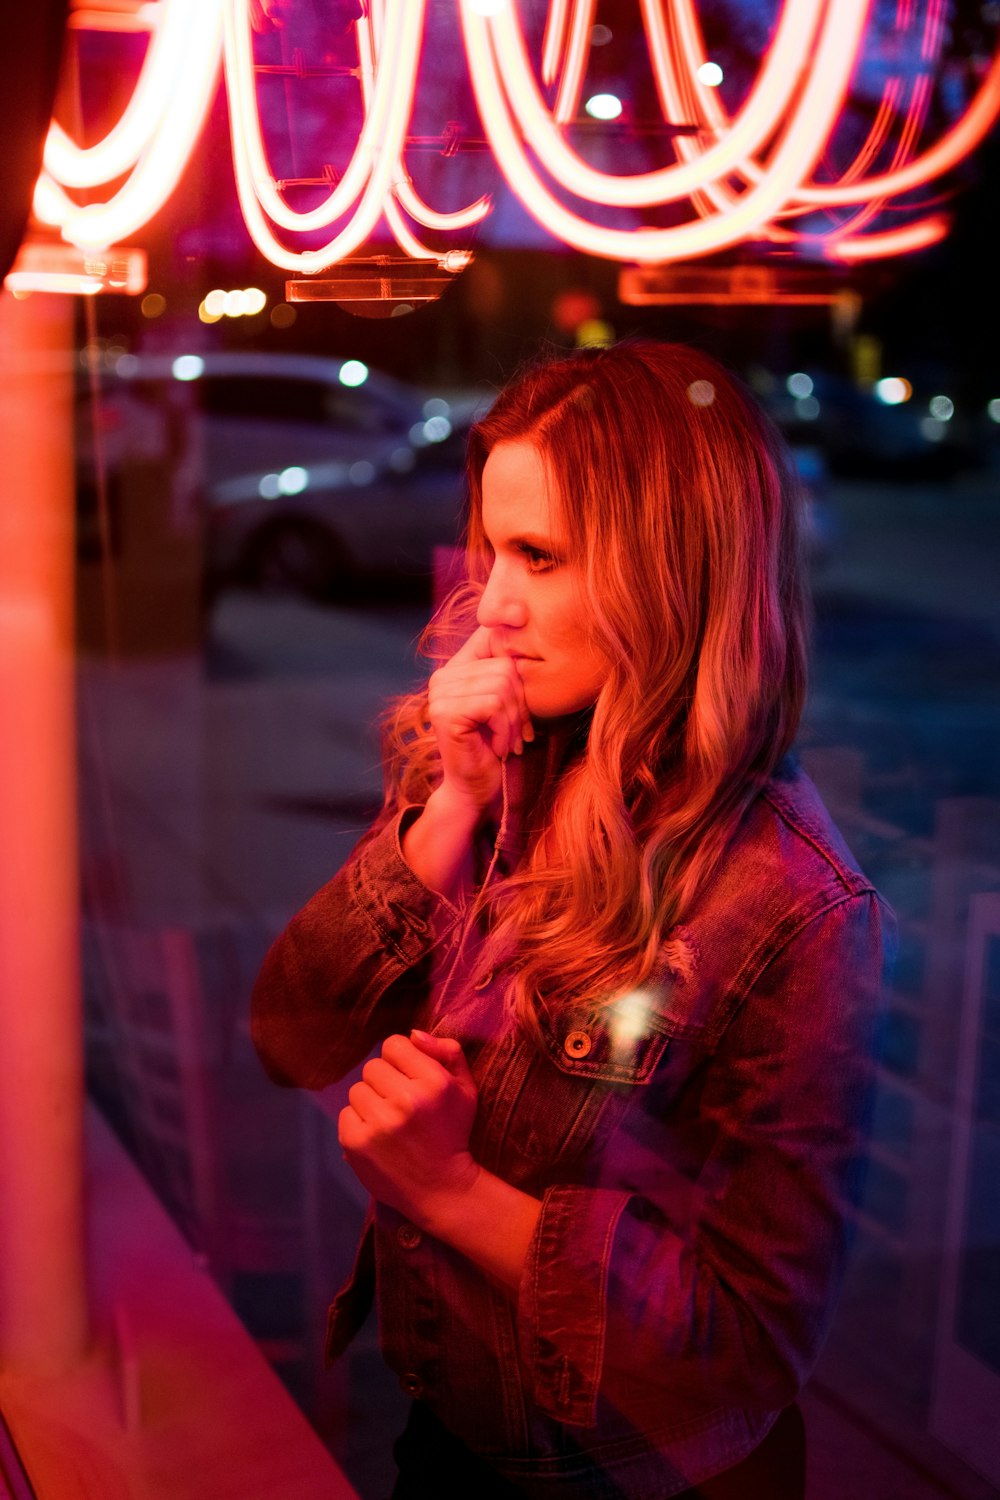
<point x="561" y="1107"/>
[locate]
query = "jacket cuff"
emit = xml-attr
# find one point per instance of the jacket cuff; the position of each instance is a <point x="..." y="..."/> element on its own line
<point x="408" y="916"/>
<point x="562" y="1308"/>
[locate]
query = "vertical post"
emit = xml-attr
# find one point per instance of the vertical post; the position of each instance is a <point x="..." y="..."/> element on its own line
<point x="43" y="1305"/>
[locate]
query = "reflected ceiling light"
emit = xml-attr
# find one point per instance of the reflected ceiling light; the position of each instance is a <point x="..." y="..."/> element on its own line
<point x="710" y="74"/>
<point x="603" y="107"/>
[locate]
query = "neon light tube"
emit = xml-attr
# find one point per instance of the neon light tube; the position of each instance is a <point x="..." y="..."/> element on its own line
<point x="499" y="66"/>
<point x="180" y="30"/>
<point x="164" y="156"/>
<point x="403" y="190"/>
<point x="805" y="134"/>
<point x="893" y="242"/>
<point x="568" y="98"/>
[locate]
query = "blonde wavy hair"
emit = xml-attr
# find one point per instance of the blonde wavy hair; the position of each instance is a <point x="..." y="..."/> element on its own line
<point x="685" y="509"/>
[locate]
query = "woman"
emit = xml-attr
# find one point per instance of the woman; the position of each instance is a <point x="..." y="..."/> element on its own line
<point x="621" y="971"/>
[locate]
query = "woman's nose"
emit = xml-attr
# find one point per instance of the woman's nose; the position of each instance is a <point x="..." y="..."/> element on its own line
<point x="501" y="602"/>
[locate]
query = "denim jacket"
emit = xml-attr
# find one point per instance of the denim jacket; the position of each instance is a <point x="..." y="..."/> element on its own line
<point x="696" y="1149"/>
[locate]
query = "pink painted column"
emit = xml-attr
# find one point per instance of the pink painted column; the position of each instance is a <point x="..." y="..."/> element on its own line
<point x="43" y="1305"/>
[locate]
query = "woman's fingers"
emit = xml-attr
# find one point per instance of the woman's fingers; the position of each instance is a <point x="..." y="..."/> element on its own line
<point x="404" y="1057"/>
<point x="448" y="1052"/>
<point x="366" y="1103"/>
<point x="381" y="1077"/>
<point x="479" y="715"/>
<point x="487" y="695"/>
<point x="476" y="648"/>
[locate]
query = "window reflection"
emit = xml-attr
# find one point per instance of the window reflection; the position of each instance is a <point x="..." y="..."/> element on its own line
<point x="227" y="770"/>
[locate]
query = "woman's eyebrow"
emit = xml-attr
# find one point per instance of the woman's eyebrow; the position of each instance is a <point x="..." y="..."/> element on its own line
<point x="535" y="539"/>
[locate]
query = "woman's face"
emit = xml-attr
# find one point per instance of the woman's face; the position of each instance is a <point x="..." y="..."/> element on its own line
<point x="533" y="604"/>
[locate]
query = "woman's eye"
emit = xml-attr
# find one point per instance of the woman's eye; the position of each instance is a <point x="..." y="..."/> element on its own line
<point x="537" y="560"/>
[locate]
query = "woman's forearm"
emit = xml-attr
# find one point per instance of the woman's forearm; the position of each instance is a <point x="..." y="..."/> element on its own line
<point x="490" y="1222"/>
<point x="438" y="845"/>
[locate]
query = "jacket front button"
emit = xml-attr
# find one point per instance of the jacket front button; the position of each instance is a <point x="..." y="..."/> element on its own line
<point x="409" y="1236"/>
<point x="577" y="1044"/>
<point x="411" y="1384"/>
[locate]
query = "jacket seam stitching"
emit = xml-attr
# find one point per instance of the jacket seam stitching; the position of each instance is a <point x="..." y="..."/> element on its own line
<point x="749" y="976"/>
<point x="853" y="881"/>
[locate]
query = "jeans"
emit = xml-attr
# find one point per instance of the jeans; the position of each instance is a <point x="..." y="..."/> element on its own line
<point x="433" y="1465"/>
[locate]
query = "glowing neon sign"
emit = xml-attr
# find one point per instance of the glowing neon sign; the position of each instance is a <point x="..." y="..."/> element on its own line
<point x="750" y="174"/>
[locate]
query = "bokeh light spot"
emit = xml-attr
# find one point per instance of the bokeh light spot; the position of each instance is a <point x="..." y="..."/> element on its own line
<point x="799" y="385"/>
<point x="701" y="393"/>
<point x="893" y="390"/>
<point x="292" y="481"/>
<point x="187" y="367"/>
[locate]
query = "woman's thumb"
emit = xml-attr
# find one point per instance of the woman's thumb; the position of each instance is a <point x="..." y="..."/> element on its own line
<point x="445" y="1050"/>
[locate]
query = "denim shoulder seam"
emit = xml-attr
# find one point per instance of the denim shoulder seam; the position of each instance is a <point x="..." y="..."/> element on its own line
<point x="854" y="881"/>
<point x="775" y="943"/>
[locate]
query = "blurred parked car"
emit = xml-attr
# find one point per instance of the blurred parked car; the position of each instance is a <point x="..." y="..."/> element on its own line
<point x="887" y="430"/>
<point x="304" y="471"/>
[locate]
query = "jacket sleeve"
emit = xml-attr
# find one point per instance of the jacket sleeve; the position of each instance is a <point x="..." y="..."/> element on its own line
<point x="728" y="1299"/>
<point x="352" y="967"/>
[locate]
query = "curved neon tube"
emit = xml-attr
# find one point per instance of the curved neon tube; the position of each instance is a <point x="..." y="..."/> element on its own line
<point x="176" y="46"/>
<point x="755" y="172"/>
<point x="382" y="134"/>
<point x="555" y="38"/>
<point x="893" y="242"/>
<point x="95" y="226"/>
<point x="570" y="87"/>
<point x="393" y="97"/>
<point x="368" y="34"/>
<point x="853" y="188"/>
<point x="796" y="155"/>
<point x="403" y="234"/>
<point x="500" y="36"/>
<point x="963" y="137"/>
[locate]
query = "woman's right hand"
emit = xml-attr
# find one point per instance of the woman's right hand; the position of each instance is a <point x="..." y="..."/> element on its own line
<point x="477" y="709"/>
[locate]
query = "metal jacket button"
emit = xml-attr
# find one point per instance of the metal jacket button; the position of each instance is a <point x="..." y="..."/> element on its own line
<point x="411" y="1384"/>
<point x="409" y="1236"/>
<point x="577" y="1044"/>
